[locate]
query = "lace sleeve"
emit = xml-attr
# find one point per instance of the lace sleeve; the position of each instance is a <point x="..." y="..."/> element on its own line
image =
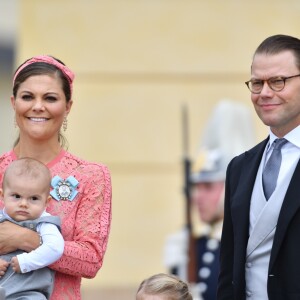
<point x="83" y="256"/>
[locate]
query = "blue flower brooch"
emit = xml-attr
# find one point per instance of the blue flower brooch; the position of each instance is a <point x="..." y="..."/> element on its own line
<point x="64" y="189"/>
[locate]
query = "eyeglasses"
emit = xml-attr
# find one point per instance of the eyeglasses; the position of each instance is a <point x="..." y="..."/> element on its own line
<point x="275" y="83"/>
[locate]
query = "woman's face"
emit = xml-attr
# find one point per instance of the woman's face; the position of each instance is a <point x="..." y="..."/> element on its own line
<point x="40" y="107"/>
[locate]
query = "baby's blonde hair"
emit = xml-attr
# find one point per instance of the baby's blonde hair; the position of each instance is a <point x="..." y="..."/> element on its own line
<point x="168" y="286"/>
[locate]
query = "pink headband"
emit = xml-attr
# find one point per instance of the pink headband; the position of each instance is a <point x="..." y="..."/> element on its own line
<point x="51" y="61"/>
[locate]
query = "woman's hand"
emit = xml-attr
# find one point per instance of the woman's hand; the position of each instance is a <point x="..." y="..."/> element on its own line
<point x="13" y="237"/>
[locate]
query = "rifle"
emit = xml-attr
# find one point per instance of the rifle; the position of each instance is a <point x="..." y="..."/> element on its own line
<point x="191" y="263"/>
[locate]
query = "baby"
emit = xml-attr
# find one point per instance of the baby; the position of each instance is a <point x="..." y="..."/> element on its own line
<point x="26" y="193"/>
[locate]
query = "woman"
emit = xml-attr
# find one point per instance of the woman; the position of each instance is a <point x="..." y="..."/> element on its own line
<point x="81" y="194"/>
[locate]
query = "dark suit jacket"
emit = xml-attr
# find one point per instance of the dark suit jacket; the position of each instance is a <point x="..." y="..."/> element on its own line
<point x="284" y="266"/>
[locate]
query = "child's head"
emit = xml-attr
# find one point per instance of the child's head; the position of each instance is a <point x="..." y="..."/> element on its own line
<point x="25" y="189"/>
<point x="163" y="287"/>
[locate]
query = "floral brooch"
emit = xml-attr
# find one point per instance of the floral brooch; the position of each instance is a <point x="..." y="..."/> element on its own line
<point x="64" y="189"/>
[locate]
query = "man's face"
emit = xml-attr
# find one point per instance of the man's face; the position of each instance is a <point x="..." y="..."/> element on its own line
<point x="207" y="197"/>
<point x="279" y="110"/>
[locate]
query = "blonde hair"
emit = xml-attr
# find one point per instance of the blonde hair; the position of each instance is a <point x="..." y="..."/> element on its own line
<point x="165" y="285"/>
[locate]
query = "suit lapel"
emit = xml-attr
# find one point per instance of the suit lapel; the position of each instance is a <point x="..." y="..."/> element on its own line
<point x="242" y="198"/>
<point x="266" y="222"/>
<point x="291" y="204"/>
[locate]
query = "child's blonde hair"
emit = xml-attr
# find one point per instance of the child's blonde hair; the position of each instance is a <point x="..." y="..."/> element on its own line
<point x="168" y="286"/>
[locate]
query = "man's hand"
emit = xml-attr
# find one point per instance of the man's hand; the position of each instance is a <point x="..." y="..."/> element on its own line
<point x="15" y="264"/>
<point x="3" y="267"/>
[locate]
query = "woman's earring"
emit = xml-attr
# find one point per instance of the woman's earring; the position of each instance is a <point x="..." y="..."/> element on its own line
<point x="65" y="124"/>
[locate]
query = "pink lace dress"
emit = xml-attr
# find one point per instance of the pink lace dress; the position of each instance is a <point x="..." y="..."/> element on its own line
<point x="85" y="220"/>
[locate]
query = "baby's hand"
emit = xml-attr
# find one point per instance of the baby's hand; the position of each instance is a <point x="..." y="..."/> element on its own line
<point x="3" y="266"/>
<point x="15" y="264"/>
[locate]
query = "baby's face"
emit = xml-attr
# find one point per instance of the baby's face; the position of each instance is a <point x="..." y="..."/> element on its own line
<point x="25" y="198"/>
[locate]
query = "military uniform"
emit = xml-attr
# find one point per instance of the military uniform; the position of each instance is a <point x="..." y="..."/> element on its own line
<point x="222" y="140"/>
<point x="207" y="262"/>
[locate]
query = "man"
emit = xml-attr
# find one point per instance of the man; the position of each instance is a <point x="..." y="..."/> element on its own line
<point x="207" y="196"/>
<point x="221" y="141"/>
<point x="260" y="246"/>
